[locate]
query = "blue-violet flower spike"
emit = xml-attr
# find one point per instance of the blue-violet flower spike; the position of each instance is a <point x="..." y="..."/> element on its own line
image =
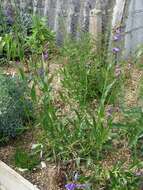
<point x="116" y="50"/>
<point x="70" y="186"/>
<point x="41" y="72"/>
<point x="45" y="56"/>
<point x="117" y="37"/>
<point x="73" y="186"/>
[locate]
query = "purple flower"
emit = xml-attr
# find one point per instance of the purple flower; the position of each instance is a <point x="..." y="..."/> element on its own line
<point x="73" y="186"/>
<point x="118" y="30"/>
<point x="70" y="186"/>
<point x="9" y="15"/>
<point x="17" y="62"/>
<point x="109" y="111"/>
<point x="45" y="56"/>
<point x="116" y="50"/>
<point x="41" y="72"/>
<point x="117" y="71"/>
<point x="116" y="37"/>
<point x="8" y="12"/>
<point x="10" y="21"/>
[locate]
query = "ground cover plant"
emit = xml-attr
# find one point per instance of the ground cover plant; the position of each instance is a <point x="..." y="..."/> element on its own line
<point x="84" y="125"/>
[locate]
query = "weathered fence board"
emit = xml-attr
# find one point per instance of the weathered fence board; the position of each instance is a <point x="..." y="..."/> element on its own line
<point x="118" y="12"/>
<point x="134" y="26"/>
<point x="74" y="16"/>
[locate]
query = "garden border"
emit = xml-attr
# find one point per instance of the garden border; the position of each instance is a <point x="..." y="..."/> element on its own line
<point x="11" y="180"/>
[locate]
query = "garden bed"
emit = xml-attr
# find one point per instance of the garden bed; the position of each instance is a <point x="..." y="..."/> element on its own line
<point x="70" y="116"/>
<point x="43" y="178"/>
<point x="53" y="176"/>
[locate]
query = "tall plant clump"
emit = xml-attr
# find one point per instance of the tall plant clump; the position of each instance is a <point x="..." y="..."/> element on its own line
<point x="84" y="74"/>
<point x="83" y="132"/>
<point x="14" y="27"/>
<point x="14" y="106"/>
<point x="42" y="39"/>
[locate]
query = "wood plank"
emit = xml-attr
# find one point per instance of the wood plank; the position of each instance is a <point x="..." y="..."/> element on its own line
<point x="118" y="12"/>
<point x="11" y="180"/>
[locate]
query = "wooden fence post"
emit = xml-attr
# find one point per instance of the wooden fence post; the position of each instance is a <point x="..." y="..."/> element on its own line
<point x="95" y="25"/>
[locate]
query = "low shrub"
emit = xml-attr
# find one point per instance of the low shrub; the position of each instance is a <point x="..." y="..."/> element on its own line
<point x="15" y="108"/>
